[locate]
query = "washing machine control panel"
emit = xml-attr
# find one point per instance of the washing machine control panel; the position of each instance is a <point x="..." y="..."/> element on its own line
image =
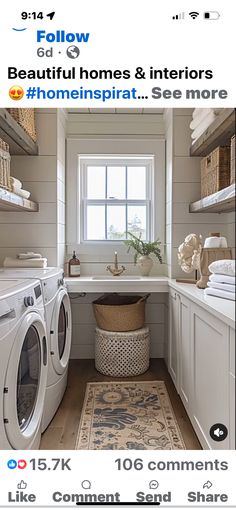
<point x="28" y="301"/>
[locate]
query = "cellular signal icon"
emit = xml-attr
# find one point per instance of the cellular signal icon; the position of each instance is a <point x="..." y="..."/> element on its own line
<point x="179" y="16"/>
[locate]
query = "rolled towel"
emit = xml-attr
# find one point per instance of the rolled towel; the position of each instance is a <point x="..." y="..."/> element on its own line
<point x="219" y="293"/>
<point x="30" y="263"/>
<point x="212" y="242"/>
<point x="15" y="183"/>
<point x="223" y="242"/>
<point x="21" y="193"/>
<point x="222" y="278"/>
<point x="222" y="286"/>
<point x="29" y="255"/>
<point x="225" y="266"/>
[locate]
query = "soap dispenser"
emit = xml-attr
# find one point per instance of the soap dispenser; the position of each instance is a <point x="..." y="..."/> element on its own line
<point x="74" y="266"/>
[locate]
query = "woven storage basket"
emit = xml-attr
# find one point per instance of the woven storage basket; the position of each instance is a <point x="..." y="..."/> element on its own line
<point x="122" y="354"/>
<point x="5" y="166"/>
<point x="232" y="160"/>
<point x="120" y="313"/>
<point x="215" y="171"/>
<point x="25" y="117"/>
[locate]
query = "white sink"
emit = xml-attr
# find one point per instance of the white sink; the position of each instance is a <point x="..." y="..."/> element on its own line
<point x="116" y="278"/>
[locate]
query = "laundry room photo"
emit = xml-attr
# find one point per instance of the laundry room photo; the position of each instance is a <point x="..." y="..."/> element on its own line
<point x="117" y="279"/>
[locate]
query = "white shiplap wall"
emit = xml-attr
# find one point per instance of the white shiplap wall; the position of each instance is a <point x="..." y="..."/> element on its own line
<point x="84" y="325"/>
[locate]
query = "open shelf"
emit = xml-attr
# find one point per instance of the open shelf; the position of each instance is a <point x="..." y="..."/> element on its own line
<point x="218" y="133"/>
<point x="11" y="202"/>
<point x="222" y="201"/>
<point x="13" y="134"/>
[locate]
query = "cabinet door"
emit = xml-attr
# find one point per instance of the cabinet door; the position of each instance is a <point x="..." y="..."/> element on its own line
<point x="184" y="352"/>
<point x="210" y="375"/>
<point x="173" y="336"/>
<point x="232" y="390"/>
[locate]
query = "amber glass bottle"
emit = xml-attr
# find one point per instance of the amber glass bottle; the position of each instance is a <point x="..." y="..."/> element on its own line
<point x="74" y="266"/>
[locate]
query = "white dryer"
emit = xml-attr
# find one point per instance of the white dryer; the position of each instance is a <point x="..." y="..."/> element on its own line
<point x="23" y="363"/>
<point x="59" y="331"/>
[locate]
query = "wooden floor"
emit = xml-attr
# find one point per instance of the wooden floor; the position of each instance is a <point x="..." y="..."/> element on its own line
<point x="62" y="431"/>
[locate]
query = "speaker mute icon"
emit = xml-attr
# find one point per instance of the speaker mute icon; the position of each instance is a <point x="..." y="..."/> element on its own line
<point x="181" y="15"/>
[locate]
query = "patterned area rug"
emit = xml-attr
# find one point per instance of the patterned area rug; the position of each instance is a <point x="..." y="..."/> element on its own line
<point x="128" y="416"/>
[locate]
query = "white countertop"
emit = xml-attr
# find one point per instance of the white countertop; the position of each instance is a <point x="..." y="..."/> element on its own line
<point x="221" y="308"/>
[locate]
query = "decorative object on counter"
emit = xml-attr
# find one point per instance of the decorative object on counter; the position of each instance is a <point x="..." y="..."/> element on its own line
<point x="5" y="159"/>
<point x="209" y="255"/>
<point x="122" y="354"/>
<point x="115" y="270"/>
<point x="232" y="160"/>
<point x="215" y="171"/>
<point x="189" y="256"/>
<point x="142" y="251"/>
<point x="25" y="117"/>
<point x="114" y="312"/>
<point x="215" y="241"/>
<point x="28" y="262"/>
<point x="74" y="266"/>
<point x="128" y="416"/>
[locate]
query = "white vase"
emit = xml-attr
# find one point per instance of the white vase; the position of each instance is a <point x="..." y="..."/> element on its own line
<point x="145" y="264"/>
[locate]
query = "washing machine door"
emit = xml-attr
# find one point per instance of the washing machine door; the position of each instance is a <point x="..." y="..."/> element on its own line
<point x="25" y="382"/>
<point x="61" y="332"/>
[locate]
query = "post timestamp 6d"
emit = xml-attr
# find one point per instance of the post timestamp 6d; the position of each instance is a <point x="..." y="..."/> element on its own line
<point x="50" y="464"/>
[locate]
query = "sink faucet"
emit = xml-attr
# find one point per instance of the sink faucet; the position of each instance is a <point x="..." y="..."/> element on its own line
<point x="115" y="270"/>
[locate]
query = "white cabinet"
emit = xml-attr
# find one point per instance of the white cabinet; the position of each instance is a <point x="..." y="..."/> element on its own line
<point x="210" y="375"/>
<point x="232" y="390"/>
<point x="201" y="353"/>
<point x="184" y="351"/>
<point x="173" y="348"/>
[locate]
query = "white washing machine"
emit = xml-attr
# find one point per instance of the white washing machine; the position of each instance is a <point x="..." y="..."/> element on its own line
<point x="23" y="363"/>
<point x="59" y="330"/>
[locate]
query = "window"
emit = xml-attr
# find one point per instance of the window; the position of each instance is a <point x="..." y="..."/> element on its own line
<point x="115" y="197"/>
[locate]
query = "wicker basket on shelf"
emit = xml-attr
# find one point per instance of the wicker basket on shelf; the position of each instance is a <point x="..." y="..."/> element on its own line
<point x="215" y="171"/>
<point x="5" y="166"/>
<point x="25" y="117"/>
<point x="232" y="160"/>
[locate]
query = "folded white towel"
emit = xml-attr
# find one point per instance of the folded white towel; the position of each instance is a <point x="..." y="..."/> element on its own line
<point x="29" y="255"/>
<point x="15" y="183"/>
<point x="222" y="286"/>
<point x="222" y="278"/>
<point x="199" y="117"/>
<point x="219" y="293"/>
<point x="212" y="242"/>
<point x="199" y="111"/>
<point x="30" y="263"/>
<point x="225" y="266"/>
<point x="206" y="122"/>
<point x="21" y="192"/>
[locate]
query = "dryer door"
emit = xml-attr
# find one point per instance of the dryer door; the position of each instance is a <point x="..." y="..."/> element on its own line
<point x="61" y="332"/>
<point x="26" y="382"/>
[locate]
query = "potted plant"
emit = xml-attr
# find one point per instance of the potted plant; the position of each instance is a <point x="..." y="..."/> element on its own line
<point x="142" y="251"/>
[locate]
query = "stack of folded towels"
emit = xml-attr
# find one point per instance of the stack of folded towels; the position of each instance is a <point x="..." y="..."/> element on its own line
<point x="222" y="280"/>
<point x="16" y="186"/>
<point x="202" y="118"/>
<point x="27" y="260"/>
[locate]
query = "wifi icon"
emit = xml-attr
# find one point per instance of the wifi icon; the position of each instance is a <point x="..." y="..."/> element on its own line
<point x="194" y="14"/>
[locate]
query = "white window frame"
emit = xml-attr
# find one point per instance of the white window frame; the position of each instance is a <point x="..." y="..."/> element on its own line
<point x="107" y="160"/>
<point x="133" y="147"/>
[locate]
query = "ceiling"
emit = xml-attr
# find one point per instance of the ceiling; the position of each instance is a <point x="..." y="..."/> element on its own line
<point x="137" y="111"/>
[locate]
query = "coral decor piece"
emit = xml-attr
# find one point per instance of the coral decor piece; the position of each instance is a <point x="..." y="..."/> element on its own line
<point x="189" y="253"/>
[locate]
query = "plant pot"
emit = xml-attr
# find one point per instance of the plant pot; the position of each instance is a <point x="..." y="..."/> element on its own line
<point x="145" y="264"/>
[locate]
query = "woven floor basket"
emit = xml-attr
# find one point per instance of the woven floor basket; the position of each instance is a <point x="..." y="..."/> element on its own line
<point x="114" y="312"/>
<point x="25" y="117"/>
<point x="122" y="354"/>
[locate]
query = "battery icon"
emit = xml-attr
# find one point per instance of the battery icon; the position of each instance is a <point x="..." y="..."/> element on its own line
<point x="212" y="15"/>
